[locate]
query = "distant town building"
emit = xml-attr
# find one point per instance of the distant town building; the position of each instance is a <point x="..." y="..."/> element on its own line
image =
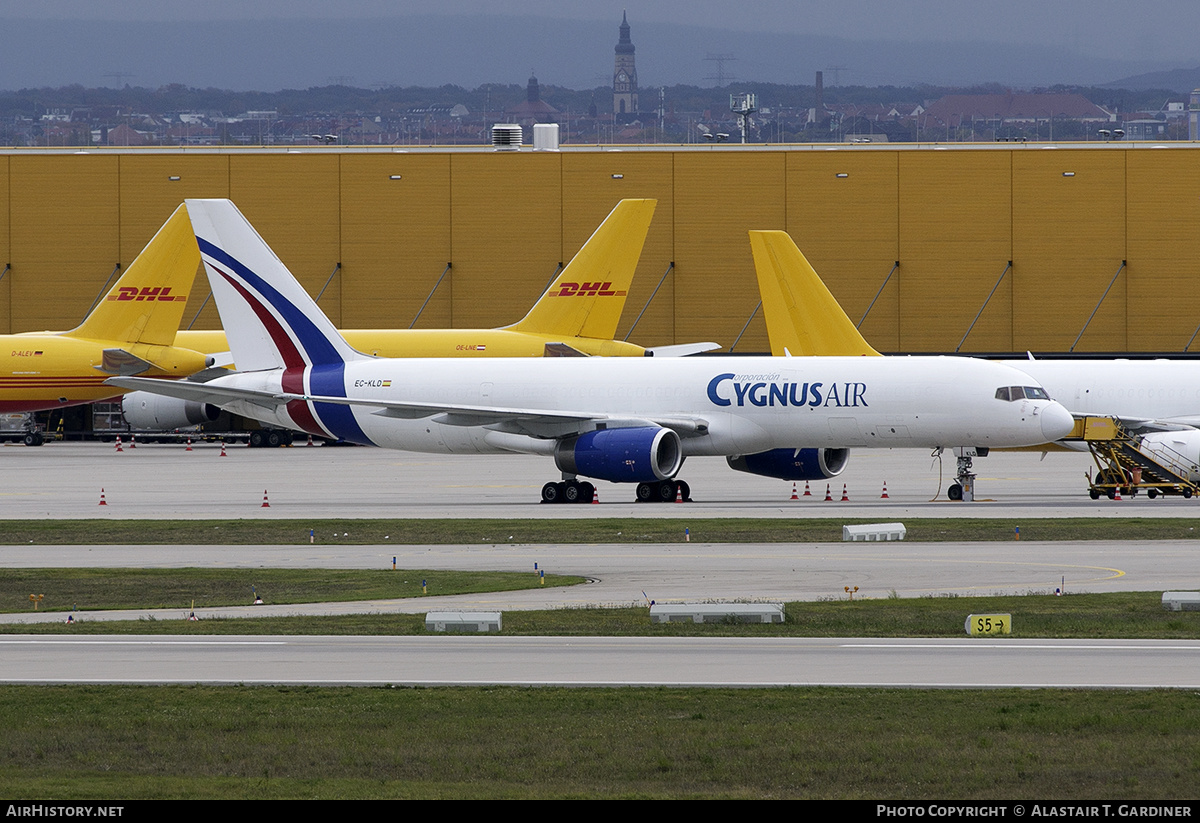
<point x="625" y="85"/>
<point x="1194" y="115"/>
<point x="533" y="109"/>
<point x="955" y="110"/>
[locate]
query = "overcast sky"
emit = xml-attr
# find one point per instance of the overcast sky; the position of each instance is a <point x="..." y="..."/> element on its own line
<point x="1157" y="29"/>
<point x="1130" y="34"/>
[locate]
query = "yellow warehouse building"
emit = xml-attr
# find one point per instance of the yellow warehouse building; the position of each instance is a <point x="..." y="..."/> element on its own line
<point x="1071" y="218"/>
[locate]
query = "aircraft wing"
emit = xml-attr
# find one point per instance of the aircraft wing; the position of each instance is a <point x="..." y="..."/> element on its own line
<point x="532" y="422"/>
<point x="1168" y="424"/>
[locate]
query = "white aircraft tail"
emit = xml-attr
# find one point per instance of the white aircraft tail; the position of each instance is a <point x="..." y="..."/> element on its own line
<point x="270" y="321"/>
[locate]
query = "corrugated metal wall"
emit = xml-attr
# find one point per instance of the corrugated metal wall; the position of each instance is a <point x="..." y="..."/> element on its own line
<point x="1067" y="218"/>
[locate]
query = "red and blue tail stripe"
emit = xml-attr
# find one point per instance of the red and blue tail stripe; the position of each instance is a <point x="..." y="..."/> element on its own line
<point x="306" y="352"/>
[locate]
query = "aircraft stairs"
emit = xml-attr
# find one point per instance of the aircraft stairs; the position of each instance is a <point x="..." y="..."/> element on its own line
<point x="1125" y="467"/>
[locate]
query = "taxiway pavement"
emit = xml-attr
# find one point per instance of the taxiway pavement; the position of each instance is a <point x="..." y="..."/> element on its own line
<point x="65" y="480"/>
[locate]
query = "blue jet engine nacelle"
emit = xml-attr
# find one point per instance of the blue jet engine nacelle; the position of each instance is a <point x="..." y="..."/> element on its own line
<point x="635" y="455"/>
<point x="793" y="464"/>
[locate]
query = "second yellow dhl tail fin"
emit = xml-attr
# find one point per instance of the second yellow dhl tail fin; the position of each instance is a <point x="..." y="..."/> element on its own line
<point x="146" y="304"/>
<point x="803" y="318"/>
<point x="587" y="298"/>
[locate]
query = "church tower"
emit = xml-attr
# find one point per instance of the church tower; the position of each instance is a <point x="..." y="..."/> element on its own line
<point x="625" y="88"/>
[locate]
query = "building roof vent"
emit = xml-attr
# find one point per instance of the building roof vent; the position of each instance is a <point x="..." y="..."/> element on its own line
<point x="506" y="137"/>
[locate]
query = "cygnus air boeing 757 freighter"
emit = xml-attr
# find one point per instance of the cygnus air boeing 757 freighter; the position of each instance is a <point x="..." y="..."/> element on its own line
<point x="625" y="420"/>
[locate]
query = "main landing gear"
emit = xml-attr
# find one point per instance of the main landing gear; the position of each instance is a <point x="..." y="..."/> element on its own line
<point x="575" y="491"/>
<point x="568" y="491"/>
<point x="665" y="491"/>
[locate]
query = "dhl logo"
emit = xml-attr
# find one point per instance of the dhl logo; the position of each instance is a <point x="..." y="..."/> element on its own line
<point x="587" y="290"/>
<point x="147" y="293"/>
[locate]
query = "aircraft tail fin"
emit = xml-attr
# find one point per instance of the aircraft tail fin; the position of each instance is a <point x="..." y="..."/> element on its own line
<point x="803" y="318"/>
<point x="146" y="304"/>
<point x="270" y="321"/>
<point x="587" y="297"/>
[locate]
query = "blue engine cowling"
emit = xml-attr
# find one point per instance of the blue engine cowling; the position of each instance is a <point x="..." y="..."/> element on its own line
<point x="636" y="455"/>
<point x="793" y="464"/>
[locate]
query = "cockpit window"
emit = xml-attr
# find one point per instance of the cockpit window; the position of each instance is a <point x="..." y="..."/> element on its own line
<point x="1021" y="393"/>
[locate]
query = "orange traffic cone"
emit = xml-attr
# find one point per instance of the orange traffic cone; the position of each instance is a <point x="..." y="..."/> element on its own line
<point x="223" y="454"/>
<point x="807" y="493"/>
<point x="189" y="445"/>
<point x="595" y="496"/>
<point x="884" y="496"/>
<point x="794" y="495"/>
<point x="133" y="441"/>
<point x="310" y="440"/>
<point x="845" y="497"/>
<point x="265" y="504"/>
<point x="678" y="493"/>
<point x="102" y="502"/>
<point x="828" y="496"/>
<point x="119" y="444"/>
<point x="1117" y="497"/>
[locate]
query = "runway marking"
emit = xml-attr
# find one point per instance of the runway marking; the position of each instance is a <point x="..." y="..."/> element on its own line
<point x="90" y="642"/>
<point x="1016" y="647"/>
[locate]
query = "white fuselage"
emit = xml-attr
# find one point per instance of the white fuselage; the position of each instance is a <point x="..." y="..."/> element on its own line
<point x="1164" y="390"/>
<point x="745" y="405"/>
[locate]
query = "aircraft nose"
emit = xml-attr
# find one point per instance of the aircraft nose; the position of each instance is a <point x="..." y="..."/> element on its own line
<point x="1056" y="422"/>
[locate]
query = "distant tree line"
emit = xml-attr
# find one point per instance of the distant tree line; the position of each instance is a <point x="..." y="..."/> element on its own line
<point x="496" y="97"/>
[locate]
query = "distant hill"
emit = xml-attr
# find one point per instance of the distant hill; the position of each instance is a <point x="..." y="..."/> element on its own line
<point x="1178" y="80"/>
<point x="432" y="50"/>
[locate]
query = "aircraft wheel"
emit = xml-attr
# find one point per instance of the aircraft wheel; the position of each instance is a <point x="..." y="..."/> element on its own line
<point x="570" y="492"/>
<point x="666" y="491"/>
<point x="34" y="439"/>
<point x="273" y="439"/>
<point x="288" y="437"/>
<point x="1152" y="493"/>
<point x="552" y="493"/>
<point x="645" y="492"/>
<point x="256" y="439"/>
<point x="954" y="492"/>
<point x="586" y="493"/>
<point x="1095" y="494"/>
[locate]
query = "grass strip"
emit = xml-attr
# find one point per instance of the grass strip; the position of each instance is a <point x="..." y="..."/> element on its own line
<point x="1132" y="615"/>
<point x="801" y="529"/>
<point x="117" y="742"/>
<point x="89" y="589"/>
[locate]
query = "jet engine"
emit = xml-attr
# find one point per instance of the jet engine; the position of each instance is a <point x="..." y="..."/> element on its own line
<point x="634" y="455"/>
<point x="1178" y="451"/>
<point x="793" y="464"/>
<point x="146" y="411"/>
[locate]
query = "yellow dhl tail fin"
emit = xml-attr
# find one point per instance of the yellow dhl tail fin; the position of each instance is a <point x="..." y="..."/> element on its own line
<point x="802" y="316"/>
<point x="587" y="298"/>
<point x="146" y="304"/>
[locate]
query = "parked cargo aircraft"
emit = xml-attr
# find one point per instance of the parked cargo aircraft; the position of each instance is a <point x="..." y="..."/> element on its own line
<point x="617" y="419"/>
<point x="1148" y="397"/>
<point x="576" y="315"/>
<point x="131" y="331"/>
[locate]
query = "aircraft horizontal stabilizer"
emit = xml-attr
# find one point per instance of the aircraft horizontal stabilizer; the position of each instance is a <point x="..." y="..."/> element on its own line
<point x="119" y="361"/>
<point x="682" y="349"/>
